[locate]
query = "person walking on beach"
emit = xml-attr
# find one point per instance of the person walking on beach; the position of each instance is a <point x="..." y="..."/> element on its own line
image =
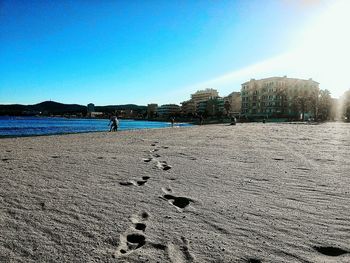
<point x="113" y="123"/>
<point x="172" y="121"/>
<point x="233" y="120"/>
<point x="201" y="119"/>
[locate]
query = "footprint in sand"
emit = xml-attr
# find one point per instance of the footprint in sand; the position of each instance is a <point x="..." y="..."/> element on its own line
<point x="133" y="238"/>
<point x="127" y="183"/>
<point x="188" y="157"/>
<point x="136" y="183"/>
<point x="179" y="202"/>
<point x="154" y="143"/>
<point x="331" y="251"/>
<point x="163" y="165"/>
<point x="278" y="159"/>
<point x="179" y="252"/>
<point x="254" y="260"/>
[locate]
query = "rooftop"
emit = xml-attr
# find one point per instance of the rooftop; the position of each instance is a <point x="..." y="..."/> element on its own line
<point x="280" y="78"/>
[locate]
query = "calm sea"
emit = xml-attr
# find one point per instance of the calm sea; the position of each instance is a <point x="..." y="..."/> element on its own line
<point x="31" y="126"/>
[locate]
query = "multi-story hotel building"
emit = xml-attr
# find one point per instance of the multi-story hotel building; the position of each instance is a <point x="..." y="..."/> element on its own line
<point x="234" y="99"/>
<point x="279" y="97"/>
<point x="204" y="95"/>
<point x="152" y="110"/>
<point x="168" y="109"/>
<point x="188" y="107"/>
<point x="194" y="105"/>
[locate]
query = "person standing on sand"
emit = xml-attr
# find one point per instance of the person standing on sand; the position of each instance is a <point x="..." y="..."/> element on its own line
<point x="201" y="119"/>
<point x="233" y="120"/>
<point x="113" y="123"/>
<point x="172" y="121"/>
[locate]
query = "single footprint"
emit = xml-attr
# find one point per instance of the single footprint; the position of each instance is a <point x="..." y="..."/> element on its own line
<point x="253" y="260"/>
<point x="141" y="182"/>
<point x="129" y="243"/>
<point x="135" y="241"/>
<point x="140" y="226"/>
<point x="179" y="202"/>
<point x="127" y="183"/>
<point x="137" y="183"/>
<point x="180" y="252"/>
<point x="278" y="159"/>
<point x="331" y="251"/>
<point x="163" y="165"/>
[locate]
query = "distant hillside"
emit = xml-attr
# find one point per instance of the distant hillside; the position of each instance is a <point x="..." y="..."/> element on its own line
<point x="46" y="108"/>
<point x="13" y="109"/>
<point x="56" y="108"/>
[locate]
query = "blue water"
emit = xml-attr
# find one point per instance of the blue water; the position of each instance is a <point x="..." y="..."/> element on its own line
<point x="31" y="126"/>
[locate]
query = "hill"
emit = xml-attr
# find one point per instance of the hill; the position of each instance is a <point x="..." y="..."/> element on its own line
<point x="56" y="108"/>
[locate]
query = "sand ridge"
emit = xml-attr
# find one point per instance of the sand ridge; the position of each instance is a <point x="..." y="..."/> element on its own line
<point x="217" y="193"/>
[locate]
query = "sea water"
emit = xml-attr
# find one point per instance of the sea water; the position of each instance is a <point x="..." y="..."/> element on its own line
<point x="31" y="126"/>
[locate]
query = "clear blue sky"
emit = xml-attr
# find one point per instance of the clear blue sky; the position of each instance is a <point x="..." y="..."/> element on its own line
<point x="118" y="52"/>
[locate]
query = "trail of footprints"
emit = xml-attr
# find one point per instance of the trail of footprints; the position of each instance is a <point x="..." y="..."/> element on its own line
<point x="154" y="156"/>
<point x="134" y="237"/>
<point x="159" y="164"/>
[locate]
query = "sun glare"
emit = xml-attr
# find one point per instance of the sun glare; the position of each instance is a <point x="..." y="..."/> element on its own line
<point x="324" y="48"/>
<point x="321" y="52"/>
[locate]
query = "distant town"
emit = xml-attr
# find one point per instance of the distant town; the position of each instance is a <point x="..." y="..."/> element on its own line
<point x="274" y="98"/>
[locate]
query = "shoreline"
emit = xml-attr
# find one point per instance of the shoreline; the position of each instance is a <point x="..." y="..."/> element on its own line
<point x="192" y="124"/>
<point x="98" y="129"/>
<point x="87" y="132"/>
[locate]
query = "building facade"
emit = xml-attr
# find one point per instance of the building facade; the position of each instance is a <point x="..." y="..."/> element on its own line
<point x="168" y="110"/>
<point x="204" y="95"/>
<point x="198" y="100"/>
<point x="152" y="110"/>
<point x="188" y="107"/>
<point x="279" y="97"/>
<point x="234" y="100"/>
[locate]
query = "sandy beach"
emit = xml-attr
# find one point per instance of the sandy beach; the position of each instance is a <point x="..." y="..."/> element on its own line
<point x="246" y="193"/>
